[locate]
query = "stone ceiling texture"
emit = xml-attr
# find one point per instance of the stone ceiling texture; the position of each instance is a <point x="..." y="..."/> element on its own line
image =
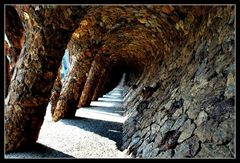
<point x="179" y="63"/>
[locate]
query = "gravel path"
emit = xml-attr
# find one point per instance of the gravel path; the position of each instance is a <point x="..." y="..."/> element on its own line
<point x="96" y="132"/>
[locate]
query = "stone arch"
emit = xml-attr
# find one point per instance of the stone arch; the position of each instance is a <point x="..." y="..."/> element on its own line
<point x="179" y="68"/>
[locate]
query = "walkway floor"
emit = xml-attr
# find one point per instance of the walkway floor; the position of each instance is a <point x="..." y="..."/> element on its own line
<point x="96" y="132"/>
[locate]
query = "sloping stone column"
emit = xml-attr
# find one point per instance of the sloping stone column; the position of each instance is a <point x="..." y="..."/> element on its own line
<point x="7" y="77"/>
<point x="100" y="83"/>
<point x="72" y="88"/>
<point x="49" y="30"/>
<point x="15" y="33"/>
<point x="56" y="91"/>
<point x="90" y="85"/>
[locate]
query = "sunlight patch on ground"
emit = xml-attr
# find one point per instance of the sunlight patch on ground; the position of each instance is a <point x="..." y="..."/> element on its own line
<point x="98" y="115"/>
<point x="110" y="99"/>
<point x="105" y="104"/>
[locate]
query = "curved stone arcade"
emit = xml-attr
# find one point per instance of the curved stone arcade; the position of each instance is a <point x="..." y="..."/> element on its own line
<point x="179" y="63"/>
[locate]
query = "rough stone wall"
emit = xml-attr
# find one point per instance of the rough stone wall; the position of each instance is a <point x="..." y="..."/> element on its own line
<point x="192" y="113"/>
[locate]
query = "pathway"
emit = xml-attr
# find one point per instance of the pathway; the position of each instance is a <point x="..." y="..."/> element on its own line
<point x="96" y="132"/>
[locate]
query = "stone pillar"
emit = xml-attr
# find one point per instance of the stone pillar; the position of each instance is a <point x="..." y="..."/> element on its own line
<point x="7" y="77"/>
<point x="56" y="91"/>
<point x="49" y="30"/>
<point x="90" y="85"/>
<point x="99" y="88"/>
<point x="72" y="88"/>
<point x="15" y="34"/>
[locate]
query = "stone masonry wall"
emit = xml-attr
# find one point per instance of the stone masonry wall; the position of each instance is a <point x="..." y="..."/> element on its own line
<point x="192" y="111"/>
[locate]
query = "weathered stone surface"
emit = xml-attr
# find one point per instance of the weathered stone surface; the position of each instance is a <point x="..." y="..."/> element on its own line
<point x="155" y="128"/>
<point x="232" y="147"/>
<point x="144" y="131"/>
<point x="163" y="120"/>
<point x="189" y="148"/>
<point x="135" y="141"/>
<point x="221" y="109"/>
<point x="193" y="111"/>
<point x="169" y="140"/>
<point x="15" y="33"/>
<point x="72" y="89"/>
<point x="148" y="151"/>
<point x="158" y="140"/>
<point x="186" y="105"/>
<point x="199" y="72"/>
<point x="100" y="83"/>
<point x="206" y="130"/>
<point x="210" y="150"/>
<point x="33" y="96"/>
<point x="6" y="72"/>
<point x="202" y="117"/>
<point x="186" y="125"/>
<point x="166" y="126"/>
<point x="224" y="133"/>
<point x="56" y="92"/>
<point x="230" y="86"/>
<point x="141" y="147"/>
<point x="165" y="154"/>
<point x="177" y="113"/>
<point x="91" y="82"/>
<point x="186" y="133"/>
<point x="202" y="80"/>
<point x="179" y="122"/>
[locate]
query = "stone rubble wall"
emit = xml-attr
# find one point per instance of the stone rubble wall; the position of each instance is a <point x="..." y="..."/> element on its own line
<point x="192" y="113"/>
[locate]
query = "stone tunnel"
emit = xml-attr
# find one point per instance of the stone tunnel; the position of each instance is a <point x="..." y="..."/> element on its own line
<point x="179" y="63"/>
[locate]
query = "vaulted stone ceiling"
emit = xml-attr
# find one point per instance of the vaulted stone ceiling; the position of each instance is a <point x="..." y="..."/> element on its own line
<point x="184" y="53"/>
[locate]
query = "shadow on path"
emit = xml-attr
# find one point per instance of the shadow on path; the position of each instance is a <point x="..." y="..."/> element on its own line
<point x="37" y="151"/>
<point x="108" y="129"/>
